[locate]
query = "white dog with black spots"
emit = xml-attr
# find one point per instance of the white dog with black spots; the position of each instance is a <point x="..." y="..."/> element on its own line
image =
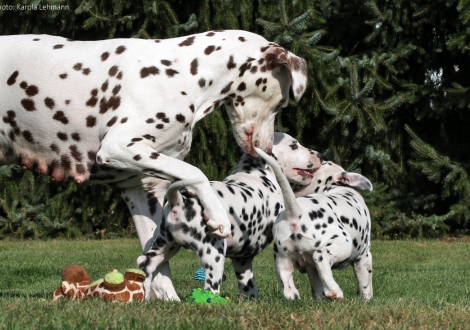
<point x="122" y="111"/>
<point x="326" y="229"/>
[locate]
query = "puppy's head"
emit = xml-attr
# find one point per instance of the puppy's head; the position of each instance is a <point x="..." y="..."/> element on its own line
<point x="298" y="163"/>
<point x="331" y="175"/>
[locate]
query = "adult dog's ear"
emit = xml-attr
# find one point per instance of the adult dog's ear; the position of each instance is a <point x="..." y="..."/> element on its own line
<point x="353" y="180"/>
<point x="297" y="67"/>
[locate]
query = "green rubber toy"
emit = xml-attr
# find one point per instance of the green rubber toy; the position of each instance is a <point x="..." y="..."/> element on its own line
<point x="206" y="297"/>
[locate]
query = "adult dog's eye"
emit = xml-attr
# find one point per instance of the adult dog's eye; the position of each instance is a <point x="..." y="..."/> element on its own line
<point x="294" y="145"/>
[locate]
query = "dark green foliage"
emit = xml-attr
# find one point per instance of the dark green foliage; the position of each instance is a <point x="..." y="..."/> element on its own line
<point x="388" y="95"/>
<point x="378" y="66"/>
<point x="32" y="206"/>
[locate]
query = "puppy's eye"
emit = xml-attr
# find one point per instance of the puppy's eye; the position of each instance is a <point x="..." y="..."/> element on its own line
<point x="294" y="145"/>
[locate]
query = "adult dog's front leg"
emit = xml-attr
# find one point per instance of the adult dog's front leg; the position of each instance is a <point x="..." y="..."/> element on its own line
<point x="150" y="264"/>
<point x="139" y="157"/>
<point x="145" y="204"/>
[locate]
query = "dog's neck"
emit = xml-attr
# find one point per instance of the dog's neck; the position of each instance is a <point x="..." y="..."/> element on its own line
<point x="249" y="163"/>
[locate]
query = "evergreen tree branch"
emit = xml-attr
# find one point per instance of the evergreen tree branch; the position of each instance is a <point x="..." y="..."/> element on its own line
<point x="298" y="23"/>
<point x="270" y="26"/>
<point x="284" y="19"/>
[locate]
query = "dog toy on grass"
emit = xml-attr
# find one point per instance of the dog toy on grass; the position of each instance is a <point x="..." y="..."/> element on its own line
<point x="77" y="285"/>
<point x="75" y="280"/>
<point x="200" y="275"/>
<point x="118" y="287"/>
<point x="206" y="297"/>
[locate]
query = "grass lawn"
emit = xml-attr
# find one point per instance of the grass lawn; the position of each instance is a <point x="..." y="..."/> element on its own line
<point x="417" y="284"/>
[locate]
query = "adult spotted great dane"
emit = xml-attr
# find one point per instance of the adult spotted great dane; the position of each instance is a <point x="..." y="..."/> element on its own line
<point x="122" y="111"/>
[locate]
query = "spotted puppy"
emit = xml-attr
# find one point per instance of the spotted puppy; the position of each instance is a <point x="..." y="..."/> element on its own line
<point x="326" y="229"/>
<point x="122" y="111"/>
<point x="252" y="199"/>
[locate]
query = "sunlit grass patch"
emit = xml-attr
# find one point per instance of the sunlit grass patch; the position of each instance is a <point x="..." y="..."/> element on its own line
<point x="417" y="284"/>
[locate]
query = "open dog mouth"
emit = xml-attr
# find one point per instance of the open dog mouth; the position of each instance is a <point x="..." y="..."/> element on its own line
<point x="306" y="173"/>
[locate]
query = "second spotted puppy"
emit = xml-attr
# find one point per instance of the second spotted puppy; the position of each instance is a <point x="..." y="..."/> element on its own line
<point x="328" y="228"/>
<point x="252" y="199"/>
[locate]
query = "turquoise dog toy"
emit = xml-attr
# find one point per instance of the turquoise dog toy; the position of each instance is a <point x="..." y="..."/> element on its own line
<point x="200" y="275"/>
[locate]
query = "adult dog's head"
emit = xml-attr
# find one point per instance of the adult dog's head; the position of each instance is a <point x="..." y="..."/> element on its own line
<point x="260" y="90"/>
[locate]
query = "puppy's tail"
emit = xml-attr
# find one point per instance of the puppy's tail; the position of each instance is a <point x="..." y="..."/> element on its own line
<point x="293" y="210"/>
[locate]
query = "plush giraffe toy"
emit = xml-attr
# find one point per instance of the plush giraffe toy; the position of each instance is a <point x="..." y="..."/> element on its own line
<point x="118" y="287"/>
<point x="75" y="280"/>
<point x="77" y="285"/>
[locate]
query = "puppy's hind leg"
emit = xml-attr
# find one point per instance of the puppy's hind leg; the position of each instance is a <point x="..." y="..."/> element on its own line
<point x="332" y="290"/>
<point x="315" y="283"/>
<point x="285" y="273"/>
<point x="243" y="268"/>
<point x="363" y="272"/>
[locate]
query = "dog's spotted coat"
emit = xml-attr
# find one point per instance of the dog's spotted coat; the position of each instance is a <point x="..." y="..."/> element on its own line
<point x="251" y="197"/>
<point x="326" y="229"/>
<point x="122" y="111"/>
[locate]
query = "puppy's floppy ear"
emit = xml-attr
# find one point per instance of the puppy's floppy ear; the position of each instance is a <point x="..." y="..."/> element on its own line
<point x="353" y="180"/>
<point x="297" y="67"/>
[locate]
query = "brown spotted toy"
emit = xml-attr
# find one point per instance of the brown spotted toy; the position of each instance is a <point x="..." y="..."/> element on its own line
<point x="77" y="285"/>
<point x="118" y="287"/>
<point x="75" y="280"/>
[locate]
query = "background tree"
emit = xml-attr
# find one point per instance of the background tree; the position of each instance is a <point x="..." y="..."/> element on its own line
<point x="388" y="96"/>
